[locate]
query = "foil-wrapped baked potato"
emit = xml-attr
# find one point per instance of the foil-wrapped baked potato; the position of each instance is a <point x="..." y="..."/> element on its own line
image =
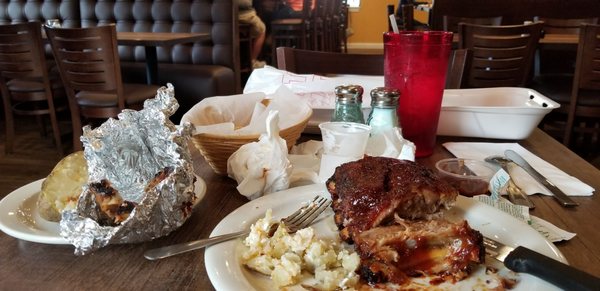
<point x="62" y="187"/>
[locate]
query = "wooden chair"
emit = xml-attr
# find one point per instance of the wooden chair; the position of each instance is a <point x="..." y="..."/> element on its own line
<point x="502" y="56"/>
<point x="26" y="84"/>
<point x="89" y="66"/>
<point x="584" y="108"/>
<point x="325" y="63"/>
<point x="292" y="32"/>
<point x="450" y="23"/>
<point x="558" y="60"/>
<point x="555" y="70"/>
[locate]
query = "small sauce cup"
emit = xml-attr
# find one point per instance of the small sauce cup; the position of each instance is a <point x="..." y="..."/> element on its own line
<point x="469" y="177"/>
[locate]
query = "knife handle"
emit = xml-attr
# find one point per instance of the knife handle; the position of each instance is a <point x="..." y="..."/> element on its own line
<point x="524" y="260"/>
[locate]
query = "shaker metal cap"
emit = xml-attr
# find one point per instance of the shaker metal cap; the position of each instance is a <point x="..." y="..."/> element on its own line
<point x="349" y="93"/>
<point x="384" y="97"/>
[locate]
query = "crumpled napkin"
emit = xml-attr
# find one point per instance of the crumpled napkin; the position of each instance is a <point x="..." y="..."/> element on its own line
<point x="306" y="158"/>
<point x="390" y="143"/>
<point x="479" y="151"/>
<point x="316" y="90"/>
<point x="262" y="167"/>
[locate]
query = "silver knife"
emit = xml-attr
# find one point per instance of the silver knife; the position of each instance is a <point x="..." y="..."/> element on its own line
<point x="562" y="198"/>
<point x="524" y="260"/>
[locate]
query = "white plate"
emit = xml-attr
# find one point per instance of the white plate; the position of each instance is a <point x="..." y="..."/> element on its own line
<point x="226" y="272"/>
<point x="19" y="216"/>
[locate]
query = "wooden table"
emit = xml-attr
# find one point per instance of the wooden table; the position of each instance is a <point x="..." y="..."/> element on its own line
<point x="553" y="38"/>
<point x="32" y="266"/>
<point x="151" y="41"/>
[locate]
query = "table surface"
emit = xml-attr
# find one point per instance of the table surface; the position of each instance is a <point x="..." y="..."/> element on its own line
<point x="555" y="38"/>
<point x="31" y="266"/>
<point x="158" y="38"/>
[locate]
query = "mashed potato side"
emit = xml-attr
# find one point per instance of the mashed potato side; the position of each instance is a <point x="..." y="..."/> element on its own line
<point x="284" y="256"/>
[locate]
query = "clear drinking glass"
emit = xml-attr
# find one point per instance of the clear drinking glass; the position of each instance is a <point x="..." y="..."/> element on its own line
<point x="415" y="64"/>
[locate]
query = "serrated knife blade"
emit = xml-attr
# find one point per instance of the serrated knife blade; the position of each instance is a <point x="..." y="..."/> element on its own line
<point x="560" y="196"/>
<point x="524" y="260"/>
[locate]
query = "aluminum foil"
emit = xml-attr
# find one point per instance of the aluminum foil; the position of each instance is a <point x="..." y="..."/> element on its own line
<point x="128" y="152"/>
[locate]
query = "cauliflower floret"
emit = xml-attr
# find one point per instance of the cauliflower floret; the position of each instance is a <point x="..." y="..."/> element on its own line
<point x="329" y="278"/>
<point x="258" y="238"/>
<point x="262" y="264"/>
<point x="350" y="260"/>
<point x="277" y="243"/>
<point x="300" y="240"/>
<point x="284" y="257"/>
<point x="287" y="270"/>
<point x="319" y="255"/>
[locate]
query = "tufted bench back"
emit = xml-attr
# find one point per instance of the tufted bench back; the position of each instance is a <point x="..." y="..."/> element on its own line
<point x="211" y="16"/>
<point x="19" y="11"/>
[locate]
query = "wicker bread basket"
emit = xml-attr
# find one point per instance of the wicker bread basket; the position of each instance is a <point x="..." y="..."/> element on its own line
<point x="216" y="149"/>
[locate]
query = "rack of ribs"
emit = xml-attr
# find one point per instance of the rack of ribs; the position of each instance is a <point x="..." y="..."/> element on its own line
<point x="390" y="210"/>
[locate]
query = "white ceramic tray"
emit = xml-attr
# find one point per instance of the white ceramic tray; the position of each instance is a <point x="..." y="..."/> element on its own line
<point x="504" y="113"/>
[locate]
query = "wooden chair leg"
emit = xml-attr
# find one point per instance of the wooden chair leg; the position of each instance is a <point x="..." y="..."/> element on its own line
<point x="569" y="129"/>
<point x="10" y="125"/>
<point x="76" y="122"/>
<point x="55" y="128"/>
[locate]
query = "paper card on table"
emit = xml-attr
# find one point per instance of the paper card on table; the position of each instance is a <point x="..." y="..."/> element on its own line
<point x="479" y="151"/>
<point x="550" y="231"/>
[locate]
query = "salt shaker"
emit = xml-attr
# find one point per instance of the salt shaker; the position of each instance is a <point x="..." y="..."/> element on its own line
<point x="348" y="104"/>
<point x="384" y="103"/>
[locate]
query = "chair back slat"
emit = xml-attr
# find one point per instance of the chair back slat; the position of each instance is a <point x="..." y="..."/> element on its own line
<point x="21" y="52"/>
<point x="502" y="55"/>
<point x="88" y="59"/>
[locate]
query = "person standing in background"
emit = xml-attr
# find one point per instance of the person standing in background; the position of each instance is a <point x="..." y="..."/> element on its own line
<point x="247" y="15"/>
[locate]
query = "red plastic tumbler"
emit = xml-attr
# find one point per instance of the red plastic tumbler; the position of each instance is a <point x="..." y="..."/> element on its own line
<point x="415" y="64"/>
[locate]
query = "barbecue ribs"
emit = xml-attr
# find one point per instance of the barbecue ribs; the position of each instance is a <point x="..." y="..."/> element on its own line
<point x="389" y="209"/>
<point x="368" y="192"/>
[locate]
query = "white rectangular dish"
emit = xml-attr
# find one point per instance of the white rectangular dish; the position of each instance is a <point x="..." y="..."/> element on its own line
<point x="503" y="113"/>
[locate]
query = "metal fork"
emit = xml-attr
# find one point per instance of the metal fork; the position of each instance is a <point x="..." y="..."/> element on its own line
<point x="302" y="218"/>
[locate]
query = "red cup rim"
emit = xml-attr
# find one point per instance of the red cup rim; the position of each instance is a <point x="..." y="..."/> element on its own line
<point x="429" y="36"/>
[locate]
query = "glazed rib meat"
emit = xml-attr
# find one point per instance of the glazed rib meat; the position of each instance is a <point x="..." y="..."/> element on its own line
<point x="369" y="192"/>
<point x="414" y="248"/>
<point x="389" y="209"/>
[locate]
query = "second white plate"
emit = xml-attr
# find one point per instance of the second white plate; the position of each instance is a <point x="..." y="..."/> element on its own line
<point x="20" y="218"/>
<point x="224" y="267"/>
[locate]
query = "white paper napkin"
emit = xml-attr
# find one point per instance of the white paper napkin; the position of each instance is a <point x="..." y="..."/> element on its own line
<point x="479" y="151"/>
<point x="245" y="114"/>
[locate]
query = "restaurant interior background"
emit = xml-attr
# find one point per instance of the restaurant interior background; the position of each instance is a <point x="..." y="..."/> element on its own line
<point x="34" y="157"/>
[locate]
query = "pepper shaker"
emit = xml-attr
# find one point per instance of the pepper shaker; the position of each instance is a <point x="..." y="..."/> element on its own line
<point x="348" y="104"/>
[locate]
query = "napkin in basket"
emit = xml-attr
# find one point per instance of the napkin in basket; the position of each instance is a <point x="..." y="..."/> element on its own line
<point x="479" y="151"/>
<point x="245" y="114"/>
<point x="261" y="167"/>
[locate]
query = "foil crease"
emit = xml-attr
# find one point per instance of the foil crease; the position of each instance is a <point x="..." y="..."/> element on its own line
<point x="129" y="152"/>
